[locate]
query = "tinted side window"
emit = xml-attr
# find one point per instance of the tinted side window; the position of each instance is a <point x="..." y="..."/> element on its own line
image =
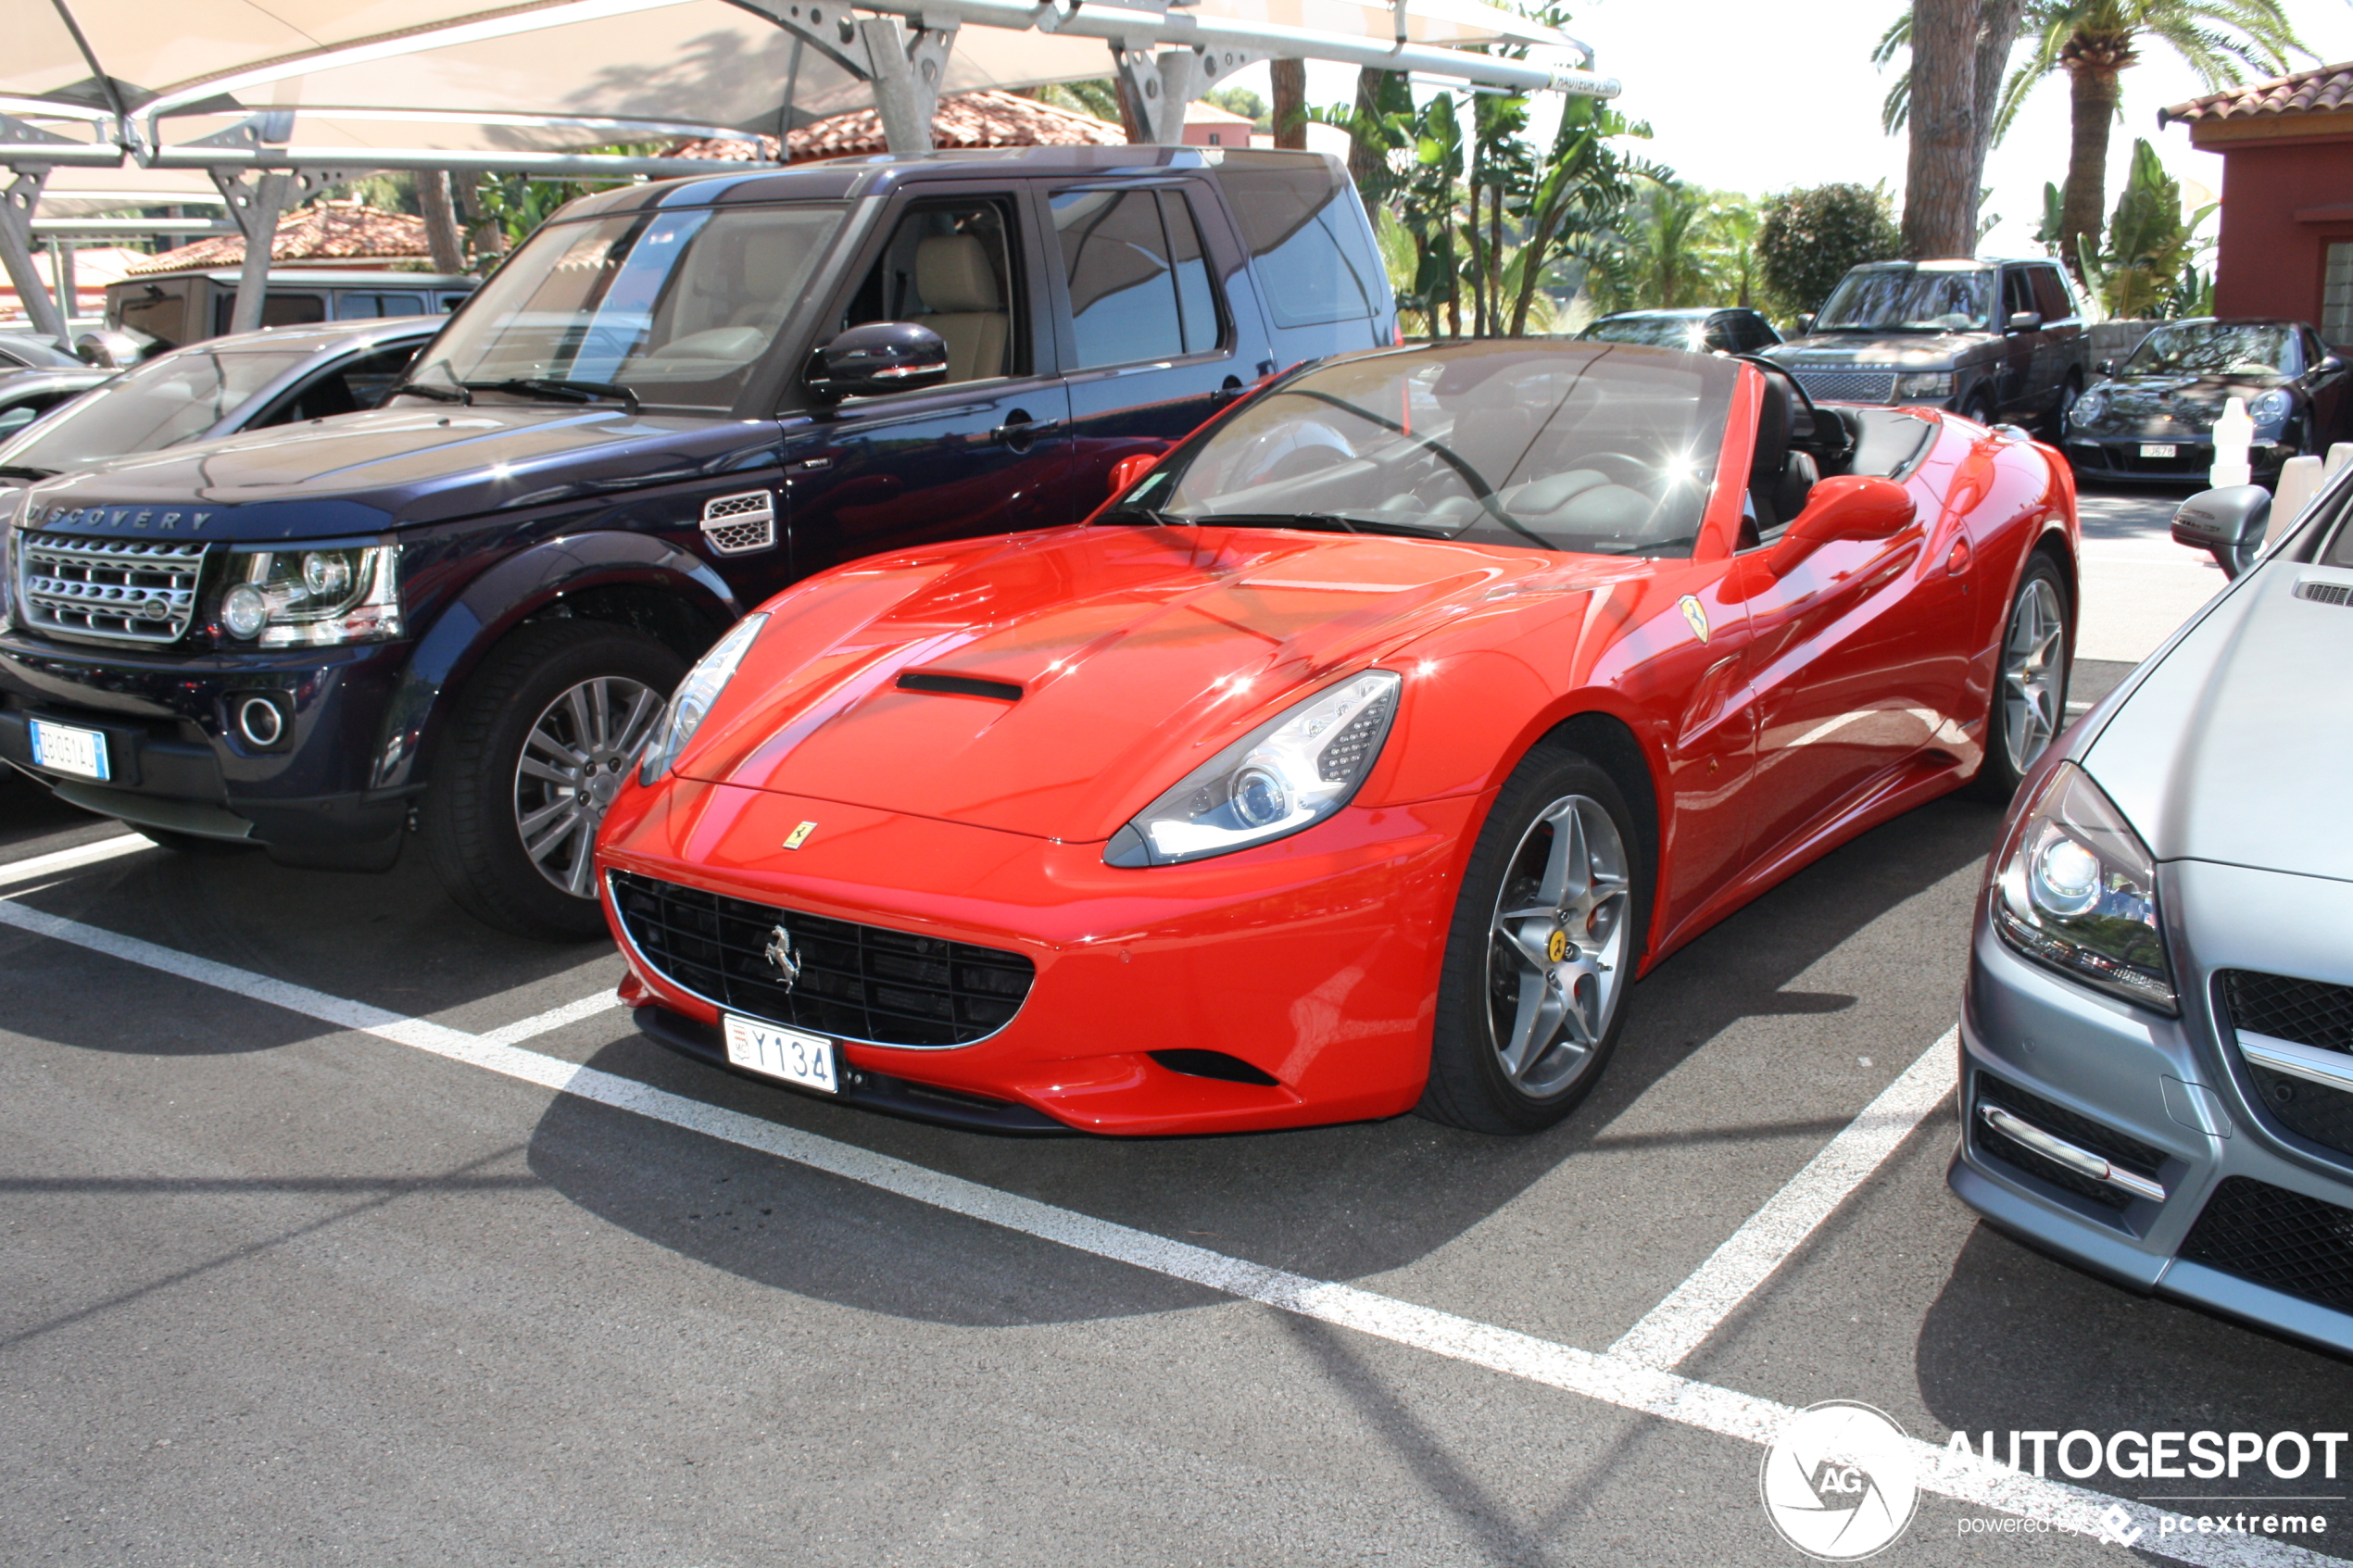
<point x="277" y="310"/>
<point x="1123" y="289"/>
<point x="2017" y="292"/>
<point x="1196" y="295"/>
<point x="950" y="267"/>
<point x="157" y="312"/>
<point x="1313" y="258"/>
<point x="358" y="307"/>
<point x="2050" y="294"/>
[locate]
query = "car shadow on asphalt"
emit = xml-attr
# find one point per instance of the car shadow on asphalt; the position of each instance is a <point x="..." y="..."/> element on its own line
<point x="2019" y="1341"/>
<point x="1338" y="1202"/>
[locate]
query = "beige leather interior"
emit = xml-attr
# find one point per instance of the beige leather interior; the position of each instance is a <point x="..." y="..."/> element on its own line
<point x="962" y="303"/>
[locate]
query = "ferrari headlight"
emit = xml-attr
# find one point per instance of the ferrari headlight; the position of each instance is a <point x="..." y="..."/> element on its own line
<point x="2078" y="891"/>
<point x="2271" y="407"/>
<point x="2089" y="411"/>
<point x="310" y="598"/>
<point x="694" y="697"/>
<point x="1925" y="383"/>
<point x="1288" y="774"/>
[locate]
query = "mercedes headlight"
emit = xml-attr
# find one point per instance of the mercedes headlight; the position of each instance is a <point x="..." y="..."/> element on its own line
<point x="2271" y="407"/>
<point x="2089" y="411"/>
<point x="1925" y="383"/>
<point x="694" y="697"/>
<point x="2078" y="891"/>
<point x="1289" y="773"/>
<point x="310" y="598"/>
<point x="11" y="505"/>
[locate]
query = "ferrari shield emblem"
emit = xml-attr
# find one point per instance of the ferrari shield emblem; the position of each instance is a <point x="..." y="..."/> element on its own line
<point x="1557" y="948"/>
<point x="799" y="836"/>
<point x="1694" y="612"/>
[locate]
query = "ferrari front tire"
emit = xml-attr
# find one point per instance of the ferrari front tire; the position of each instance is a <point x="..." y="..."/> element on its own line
<point x="1546" y="936"/>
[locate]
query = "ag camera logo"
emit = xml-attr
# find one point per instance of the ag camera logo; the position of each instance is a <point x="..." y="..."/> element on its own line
<point x="1839" y="1482"/>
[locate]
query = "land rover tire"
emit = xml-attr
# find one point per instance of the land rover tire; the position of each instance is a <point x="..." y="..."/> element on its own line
<point x="538" y="744"/>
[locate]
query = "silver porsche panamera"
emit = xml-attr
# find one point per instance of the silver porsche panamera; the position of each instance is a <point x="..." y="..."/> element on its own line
<point x="2156" y="1073"/>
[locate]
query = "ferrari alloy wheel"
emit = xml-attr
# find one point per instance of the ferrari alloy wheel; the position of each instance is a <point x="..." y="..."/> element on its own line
<point x="2029" y="703"/>
<point x="537" y="748"/>
<point x="1547" y="933"/>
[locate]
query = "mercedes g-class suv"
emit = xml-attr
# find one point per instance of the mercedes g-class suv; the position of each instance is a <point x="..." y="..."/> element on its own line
<point x="459" y="614"/>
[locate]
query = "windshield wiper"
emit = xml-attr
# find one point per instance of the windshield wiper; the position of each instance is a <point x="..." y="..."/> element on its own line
<point x="564" y="389"/>
<point x="16" y="471"/>
<point x="1329" y="522"/>
<point x="426" y="389"/>
<point x="1158" y="520"/>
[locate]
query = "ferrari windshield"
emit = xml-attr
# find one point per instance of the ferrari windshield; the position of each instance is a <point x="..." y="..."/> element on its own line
<point x="2210" y="348"/>
<point x="1597" y="447"/>
<point x="677" y="305"/>
<point x="1900" y="296"/>
<point x="1663" y="331"/>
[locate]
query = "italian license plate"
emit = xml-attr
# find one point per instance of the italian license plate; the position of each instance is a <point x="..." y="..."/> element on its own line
<point x="2159" y="449"/>
<point x="62" y="749"/>
<point x="788" y="1054"/>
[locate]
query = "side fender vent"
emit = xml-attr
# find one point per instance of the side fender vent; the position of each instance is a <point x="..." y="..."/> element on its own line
<point x="737" y="526"/>
<point x="959" y="685"/>
<point x="2325" y="593"/>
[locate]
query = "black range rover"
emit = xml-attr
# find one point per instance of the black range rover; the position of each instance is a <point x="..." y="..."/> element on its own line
<point x="458" y="616"/>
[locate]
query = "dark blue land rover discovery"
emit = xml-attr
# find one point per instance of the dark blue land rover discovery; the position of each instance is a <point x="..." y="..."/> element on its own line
<point x="459" y="614"/>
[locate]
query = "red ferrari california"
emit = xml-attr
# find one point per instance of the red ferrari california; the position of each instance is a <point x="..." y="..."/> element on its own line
<point x="1353" y="759"/>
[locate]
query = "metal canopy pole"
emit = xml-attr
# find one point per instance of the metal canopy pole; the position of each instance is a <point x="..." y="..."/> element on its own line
<point x="258" y="197"/>
<point x="16" y="249"/>
<point x="907" y="73"/>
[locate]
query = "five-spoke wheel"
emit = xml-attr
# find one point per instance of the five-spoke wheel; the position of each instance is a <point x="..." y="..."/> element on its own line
<point x="2030" y="701"/>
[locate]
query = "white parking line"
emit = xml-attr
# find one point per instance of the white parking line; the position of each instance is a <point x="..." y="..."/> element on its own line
<point x="1611" y="1379"/>
<point x="1674" y="1328"/>
<point x="40" y="866"/>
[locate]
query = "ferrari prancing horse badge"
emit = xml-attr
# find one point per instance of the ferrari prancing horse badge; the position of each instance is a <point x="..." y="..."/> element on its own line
<point x="799" y="836"/>
<point x="1694" y="612"/>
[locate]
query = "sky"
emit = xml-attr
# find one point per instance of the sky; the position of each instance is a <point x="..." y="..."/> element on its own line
<point x="1757" y="97"/>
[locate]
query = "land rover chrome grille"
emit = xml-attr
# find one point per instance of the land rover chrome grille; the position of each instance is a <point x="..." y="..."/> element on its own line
<point x="1847" y="386"/>
<point x="124" y="590"/>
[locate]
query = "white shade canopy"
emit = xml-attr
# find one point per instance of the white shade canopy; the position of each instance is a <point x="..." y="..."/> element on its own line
<point x="460" y="75"/>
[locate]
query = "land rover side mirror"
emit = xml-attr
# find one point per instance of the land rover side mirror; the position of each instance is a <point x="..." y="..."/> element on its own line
<point x="1847" y="505"/>
<point x="2330" y="364"/>
<point x="879" y="358"/>
<point x="2227" y="523"/>
<point x="2105" y="368"/>
<point x="1805" y="324"/>
<point x="2025" y="320"/>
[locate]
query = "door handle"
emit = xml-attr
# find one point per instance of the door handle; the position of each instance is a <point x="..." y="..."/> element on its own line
<point x="1019" y="430"/>
<point x="1227" y="392"/>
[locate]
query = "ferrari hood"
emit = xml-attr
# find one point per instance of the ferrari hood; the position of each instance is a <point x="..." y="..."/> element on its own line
<point x="1051" y="684"/>
<point x="2237" y="748"/>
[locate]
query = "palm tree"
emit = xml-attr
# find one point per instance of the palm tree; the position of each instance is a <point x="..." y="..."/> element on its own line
<point x="2094" y="42"/>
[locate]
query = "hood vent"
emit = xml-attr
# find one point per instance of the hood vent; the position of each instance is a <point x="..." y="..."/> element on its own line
<point x="2325" y="593"/>
<point x="959" y="685"/>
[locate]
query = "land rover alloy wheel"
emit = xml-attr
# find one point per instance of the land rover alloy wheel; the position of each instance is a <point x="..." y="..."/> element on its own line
<point x="539" y="747"/>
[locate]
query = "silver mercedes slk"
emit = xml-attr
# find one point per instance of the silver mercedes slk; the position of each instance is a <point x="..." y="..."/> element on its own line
<point x="2156" y="1065"/>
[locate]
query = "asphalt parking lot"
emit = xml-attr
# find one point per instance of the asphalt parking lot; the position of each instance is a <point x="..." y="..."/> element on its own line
<point x="342" y="1230"/>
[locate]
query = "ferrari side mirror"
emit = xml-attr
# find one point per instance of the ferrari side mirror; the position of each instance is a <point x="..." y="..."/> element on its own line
<point x="879" y="358"/>
<point x="1846" y="506"/>
<point x="1128" y="470"/>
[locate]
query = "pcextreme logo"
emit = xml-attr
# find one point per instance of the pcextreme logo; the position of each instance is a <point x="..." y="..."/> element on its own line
<point x="1839" y="1482"/>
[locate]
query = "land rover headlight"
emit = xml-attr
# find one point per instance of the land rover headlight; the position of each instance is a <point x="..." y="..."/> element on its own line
<point x="2077" y="890"/>
<point x="1289" y="773"/>
<point x="694" y="697"/>
<point x="313" y="597"/>
<point x="2271" y="407"/>
<point x="1925" y="383"/>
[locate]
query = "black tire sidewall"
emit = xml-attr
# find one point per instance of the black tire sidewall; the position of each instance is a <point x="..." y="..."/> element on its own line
<point x="1467" y="1086"/>
<point x="469" y="811"/>
<point x="1996" y="780"/>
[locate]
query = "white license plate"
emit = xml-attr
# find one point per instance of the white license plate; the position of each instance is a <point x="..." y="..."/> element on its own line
<point x="806" y="1059"/>
<point x="63" y="750"/>
<point x="2159" y="449"/>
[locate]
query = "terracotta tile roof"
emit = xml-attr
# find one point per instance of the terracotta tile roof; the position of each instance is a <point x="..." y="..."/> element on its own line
<point x="2319" y="91"/>
<point x="986" y="118"/>
<point x="328" y="231"/>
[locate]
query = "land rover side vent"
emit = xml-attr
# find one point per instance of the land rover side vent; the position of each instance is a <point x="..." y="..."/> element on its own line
<point x="120" y="590"/>
<point x="737" y="526"/>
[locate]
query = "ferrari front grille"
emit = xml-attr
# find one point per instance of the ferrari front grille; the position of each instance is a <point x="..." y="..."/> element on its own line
<point x="860" y="982"/>
<point x="122" y="590"/>
<point x="1847" y="386"/>
<point x="2276" y="1238"/>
